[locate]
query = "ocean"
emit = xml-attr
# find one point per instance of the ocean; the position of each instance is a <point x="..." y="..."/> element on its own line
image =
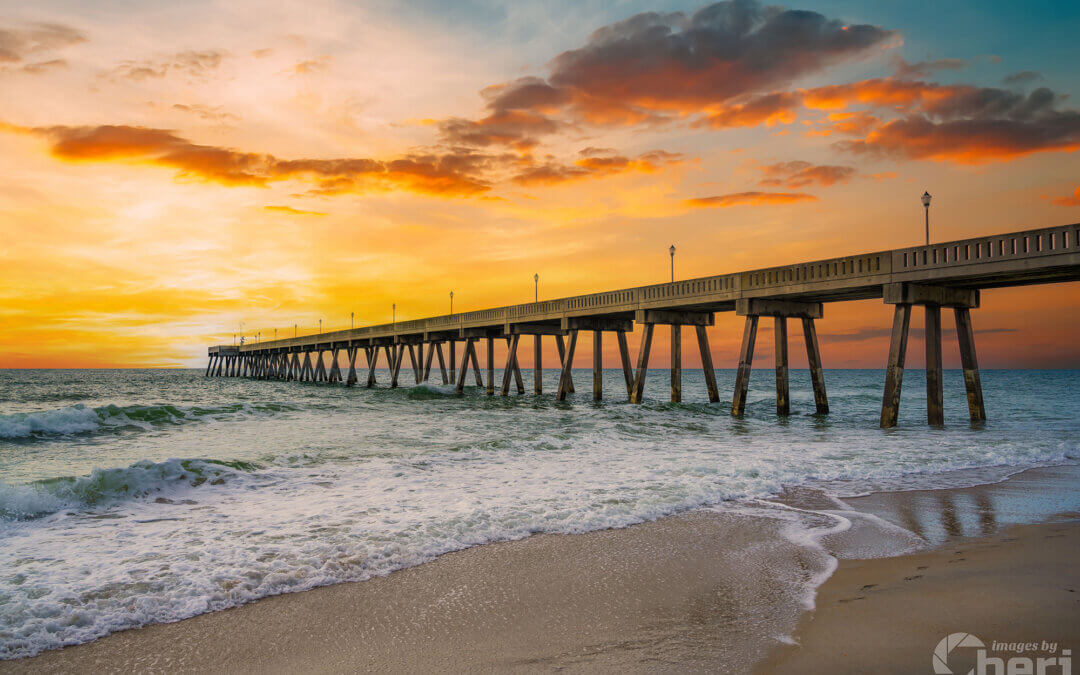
<point x="130" y="497"/>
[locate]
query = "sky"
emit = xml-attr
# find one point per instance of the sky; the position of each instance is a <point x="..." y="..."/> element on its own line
<point x="176" y="175"/>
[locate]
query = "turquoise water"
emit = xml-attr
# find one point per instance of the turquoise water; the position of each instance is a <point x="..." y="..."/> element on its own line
<point x="133" y="497"/>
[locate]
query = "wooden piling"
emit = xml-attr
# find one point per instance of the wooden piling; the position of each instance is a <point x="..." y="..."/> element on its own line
<point x="567" y="366"/>
<point x="597" y="365"/>
<point x="210" y="364"/>
<point x="475" y="359"/>
<point x="746" y="360"/>
<point x="624" y="357"/>
<point x="442" y="364"/>
<point x="562" y="357"/>
<point x="676" y="363"/>
<point x="511" y="350"/>
<point x="464" y="364"/>
<point x="490" y="366"/>
<point x="538" y="368"/>
<point x="813" y="360"/>
<point x="783" y="402"/>
<point x="453" y="360"/>
<point x="707" y="364"/>
<point x="427" y="361"/>
<point x="965" y="333"/>
<point x="643" y="364"/>
<point x="413" y="362"/>
<point x="935" y="408"/>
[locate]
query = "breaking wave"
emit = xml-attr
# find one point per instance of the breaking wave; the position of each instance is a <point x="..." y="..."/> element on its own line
<point x="103" y="487"/>
<point x="82" y="419"/>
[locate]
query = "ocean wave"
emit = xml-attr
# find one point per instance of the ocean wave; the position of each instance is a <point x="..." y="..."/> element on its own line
<point x="103" y="487"/>
<point x="82" y="419"/>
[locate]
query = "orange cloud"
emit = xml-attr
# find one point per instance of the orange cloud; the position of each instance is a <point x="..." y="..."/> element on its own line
<point x="799" y="174"/>
<point x="596" y="162"/>
<point x="1074" y="200"/>
<point x="448" y="174"/>
<point x="750" y="198"/>
<point x="293" y="212"/>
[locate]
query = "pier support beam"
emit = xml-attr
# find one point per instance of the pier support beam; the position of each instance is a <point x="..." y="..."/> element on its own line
<point x="538" y="367"/>
<point x="428" y="359"/>
<point x="903" y="296"/>
<point x="351" y="379"/>
<point x="642" y="364"/>
<point x="372" y="360"/>
<point x="490" y="366"/>
<point x="813" y="360"/>
<point x="676" y="363"/>
<point x="442" y="365"/>
<point x="627" y="369"/>
<point x="746" y="360"/>
<point x="781" y="311"/>
<point x="453" y="361"/>
<point x="783" y="401"/>
<point x="707" y="364"/>
<point x="562" y="359"/>
<point x="565" y="381"/>
<point x="935" y="404"/>
<point x="965" y="333"/>
<point x="597" y="365"/>
<point x="511" y="361"/>
<point x="464" y="364"/>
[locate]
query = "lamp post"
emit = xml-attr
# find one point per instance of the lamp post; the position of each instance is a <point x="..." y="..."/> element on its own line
<point x="451" y="303"/>
<point x="393" y="313"/>
<point x="536" y="287"/>
<point x="275" y="334"/>
<point x="926" y="206"/>
<point x="294" y="330"/>
<point x="672" y="252"/>
<point x="320" y="326"/>
<point x="352" y="315"/>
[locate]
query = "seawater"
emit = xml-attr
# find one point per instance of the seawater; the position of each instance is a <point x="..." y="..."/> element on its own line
<point x="140" y="496"/>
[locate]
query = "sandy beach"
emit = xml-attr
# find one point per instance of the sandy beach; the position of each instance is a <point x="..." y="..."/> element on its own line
<point x="700" y="592"/>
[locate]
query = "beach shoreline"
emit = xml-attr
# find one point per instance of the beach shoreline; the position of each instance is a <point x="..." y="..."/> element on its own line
<point x="702" y="591"/>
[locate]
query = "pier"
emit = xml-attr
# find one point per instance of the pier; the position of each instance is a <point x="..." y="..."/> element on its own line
<point x="935" y="277"/>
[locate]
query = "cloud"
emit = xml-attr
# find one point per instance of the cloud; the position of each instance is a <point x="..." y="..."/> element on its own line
<point x="653" y="67"/>
<point x="293" y="212"/>
<point x="595" y="162"/>
<point x="1022" y="77"/>
<point x="798" y="174"/>
<point x="19" y="44"/>
<point x="963" y="123"/>
<point x="189" y="63"/>
<point x="1074" y="200"/>
<point x="448" y="174"/>
<point x="750" y="198"/>
<point x="906" y="70"/>
<point x="215" y="114"/>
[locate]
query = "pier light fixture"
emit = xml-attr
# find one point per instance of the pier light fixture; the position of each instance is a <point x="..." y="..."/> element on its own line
<point x="926" y="207"/>
<point x="320" y="326"/>
<point x="536" y="287"/>
<point x="352" y="316"/>
<point x="451" y="303"/>
<point x="275" y="334"/>
<point x="294" y="330"/>
<point x="672" y="252"/>
<point x="393" y="313"/>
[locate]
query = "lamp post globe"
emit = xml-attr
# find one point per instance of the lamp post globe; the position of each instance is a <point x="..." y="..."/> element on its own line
<point x="671" y="250"/>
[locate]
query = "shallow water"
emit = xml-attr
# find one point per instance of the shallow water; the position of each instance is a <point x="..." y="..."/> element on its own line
<point x="132" y="497"/>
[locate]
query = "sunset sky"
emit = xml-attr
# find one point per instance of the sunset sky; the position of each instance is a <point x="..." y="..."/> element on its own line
<point x="172" y="174"/>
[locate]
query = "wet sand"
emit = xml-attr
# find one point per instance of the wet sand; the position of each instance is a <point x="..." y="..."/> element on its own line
<point x="700" y="592"/>
<point x="887" y="615"/>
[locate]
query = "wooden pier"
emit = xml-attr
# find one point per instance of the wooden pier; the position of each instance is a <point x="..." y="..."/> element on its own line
<point x="948" y="275"/>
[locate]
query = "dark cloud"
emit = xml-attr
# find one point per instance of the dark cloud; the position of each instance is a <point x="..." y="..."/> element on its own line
<point x="1022" y="77"/>
<point x="654" y="67"/>
<point x="752" y="198"/>
<point x="19" y="44"/>
<point x="799" y="174"/>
